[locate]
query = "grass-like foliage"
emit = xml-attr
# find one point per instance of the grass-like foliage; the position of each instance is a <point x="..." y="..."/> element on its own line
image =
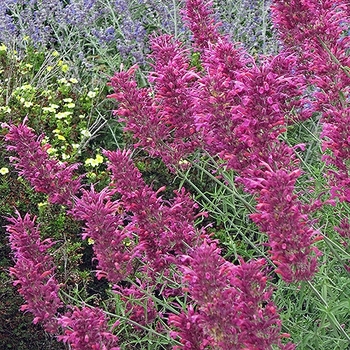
<point x="219" y="218"/>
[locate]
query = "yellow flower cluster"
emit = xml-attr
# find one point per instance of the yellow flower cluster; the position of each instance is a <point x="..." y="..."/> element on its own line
<point x="94" y="162"/>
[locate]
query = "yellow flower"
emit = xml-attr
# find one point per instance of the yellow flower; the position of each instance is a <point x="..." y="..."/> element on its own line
<point x="64" y="68"/>
<point x="27" y="87"/>
<point x="51" y="150"/>
<point x="4" y="171"/>
<point x="99" y="159"/>
<point x="46" y="92"/>
<point x="5" y="109"/>
<point x="91" y="94"/>
<point x="183" y="162"/>
<point x="28" y="104"/>
<point x="49" y="109"/>
<point x="73" y="80"/>
<point x="3" y="48"/>
<point x="45" y="140"/>
<point x="61" y="137"/>
<point x="62" y="80"/>
<point x="94" y="161"/>
<point x="127" y="242"/>
<point x="62" y="115"/>
<point x="91" y="175"/>
<point x="91" y="161"/>
<point x="55" y="54"/>
<point x="49" y="68"/>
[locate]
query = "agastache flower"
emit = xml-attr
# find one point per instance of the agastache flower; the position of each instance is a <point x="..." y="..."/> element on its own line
<point x="317" y="32"/>
<point x="188" y="331"/>
<point x="46" y="175"/>
<point x="112" y="244"/>
<point x="336" y="135"/>
<point x="87" y="328"/>
<point x="234" y="307"/>
<point x="305" y="22"/>
<point x="219" y="106"/>
<point x="164" y="230"/>
<point x="161" y="117"/>
<point x="34" y="271"/>
<point x="173" y="86"/>
<point x="243" y="107"/>
<point x="136" y="109"/>
<point x="282" y="217"/>
<point x="199" y="17"/>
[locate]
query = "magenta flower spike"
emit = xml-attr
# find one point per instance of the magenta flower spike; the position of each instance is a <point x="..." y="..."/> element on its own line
<point x="243" y="108"/>
<point x="160" y="118"/>
<point x="199" y="18"/>
<point x="46" y="175"/>
<point x="34" y="271"/>
<point x="87" y="328"/>
<point x="188" y="331"/>
<point x="284" y="219"/>
<point x="233" y="304"/>
<point x="164" y="230"/>
<point x="112" y="244"/>
<point x="317" y="31"/>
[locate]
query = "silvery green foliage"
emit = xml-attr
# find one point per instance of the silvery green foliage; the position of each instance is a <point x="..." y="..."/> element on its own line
<point x="249" y="22"/>
<point x="85" y="26"/>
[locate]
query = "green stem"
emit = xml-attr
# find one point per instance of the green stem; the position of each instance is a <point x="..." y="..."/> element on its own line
<point x="175" y="19"/>
<point x="330" y="244"/>
<point x="335" y="59"/>
<point x="245" y="238"/>
<point x="123" y="318"/>
<point x="233" y="191"/>
<point x="330" y="315"/>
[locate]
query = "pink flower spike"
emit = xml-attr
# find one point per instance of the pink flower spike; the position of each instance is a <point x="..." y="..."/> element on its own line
<point x="87" y="328"/>
<point x="34" y="271"/>
<point x="198" y="15"/>
<point x="233" y="303"/>
<point x="46" y="175"/>
<point x="113" y="245"/>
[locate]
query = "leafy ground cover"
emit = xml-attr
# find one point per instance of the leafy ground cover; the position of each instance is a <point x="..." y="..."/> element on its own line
<point x="174" y="174"/>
